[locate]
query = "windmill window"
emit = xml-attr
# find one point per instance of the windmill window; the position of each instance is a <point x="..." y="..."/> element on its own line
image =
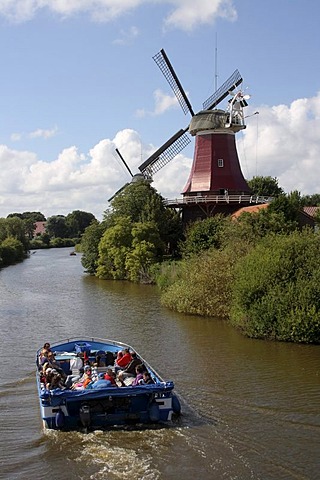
<point x="220" y="162"/>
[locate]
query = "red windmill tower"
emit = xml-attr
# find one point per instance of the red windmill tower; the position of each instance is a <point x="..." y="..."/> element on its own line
<point x="216" y="183"/>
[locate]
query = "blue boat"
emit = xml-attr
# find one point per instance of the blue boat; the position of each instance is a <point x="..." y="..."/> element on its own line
<point x="77" y="408"/>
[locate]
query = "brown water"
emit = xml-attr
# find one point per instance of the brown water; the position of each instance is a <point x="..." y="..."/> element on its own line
<point x="251" y="408"/>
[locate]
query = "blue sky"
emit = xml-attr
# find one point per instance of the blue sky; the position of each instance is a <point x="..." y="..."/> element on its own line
<point x="78" y="80"/>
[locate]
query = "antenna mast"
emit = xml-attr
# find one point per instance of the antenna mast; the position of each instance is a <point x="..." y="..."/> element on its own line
<point x="216" y="65"/>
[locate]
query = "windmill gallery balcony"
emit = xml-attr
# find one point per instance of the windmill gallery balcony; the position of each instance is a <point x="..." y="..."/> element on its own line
<point x="196" y="207"/>
<point x="221" y="199"/>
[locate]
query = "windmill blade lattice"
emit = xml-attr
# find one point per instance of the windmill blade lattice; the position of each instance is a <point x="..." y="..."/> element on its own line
<point x="166" y="68"/>
<point x="124" y="162"/>
<point x="233" y="82"/>
<point x="165" y="153"/>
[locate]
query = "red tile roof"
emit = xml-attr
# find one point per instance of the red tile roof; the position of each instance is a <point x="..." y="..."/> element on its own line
<point x="40" y="228"/>
<point x="311" y="210"/>
<point x="251" y="209"/>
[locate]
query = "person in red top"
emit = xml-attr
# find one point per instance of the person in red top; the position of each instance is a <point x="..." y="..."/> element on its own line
<point x="109" y="375"/>
<point x="125" y="359"/>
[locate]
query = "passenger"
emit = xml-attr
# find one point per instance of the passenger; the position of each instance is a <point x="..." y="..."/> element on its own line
<point x="88" y="379"/>
<point x="100" y="359"/>
<point x="56" y="381"/>
<point x="110" y="376"/>
<point x="130" y="369"/>
<point x="79" y="385"/>
<point x="45" y="370"/>
<point x="147" y="379"/>
<point x="101" y="382"/>
<point x="46" y="346"/>
<point x="76" y="365"/>
<point x="139" y="376"/>
<point x="124" y="360"/>
<point x="48" y="377"/>
<point x="110" y="358"/>
<point x="56" y="365"/>
<point x="43" y="357"/>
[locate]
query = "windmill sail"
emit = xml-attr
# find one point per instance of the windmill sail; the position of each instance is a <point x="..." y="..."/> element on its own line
<point x="223" y="91"/>
<point x="124" y="162"/>
<point x="165" y="153"/>
<point x="166" y="68"/>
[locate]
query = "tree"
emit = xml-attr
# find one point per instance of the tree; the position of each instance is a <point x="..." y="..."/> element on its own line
<point x="289" y="205"/>
<point x="265" y="186"/>
<point x="90" y="246"/>
<point x="203" y="235"/>
<point x="78" y="221"/>
<point x="147" y="248"/>
<point x="138" y="230"/>
<point x="57" y="226"/>
<point x="11" y="251"/>
<point x="34" y="216"/>
<point x="14" y="227"/>
<point x="311" y="200"/>
<point x="114" y="246"/>
<point x="141" y="203"/>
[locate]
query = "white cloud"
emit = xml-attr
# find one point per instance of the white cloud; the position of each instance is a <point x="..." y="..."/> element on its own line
<point x="162" y="103"/>
<point x="282" y="141"/>
<point x="188" y="14"/>
<point x="43" y="133"/>
<point x="127" y="36"/>
<point x="16" y="137"/>
<point x="38" y="133"/>
<point x="185" y="14"/>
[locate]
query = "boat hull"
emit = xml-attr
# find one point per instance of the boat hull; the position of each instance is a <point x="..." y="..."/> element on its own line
<point x="65" y="409"/>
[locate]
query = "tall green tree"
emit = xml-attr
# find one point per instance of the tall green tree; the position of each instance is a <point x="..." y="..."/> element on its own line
<point x="140" y="202"/>
<point x="14" y="227"/>
<point x="34" y="216"/>
<point x="57" y="227"/>
<point x="77" y="221"/>
<point x="114" y="247"/>
<point x="90" y="246"/>
<point x="311" y="200"/>
<point x="265" y="186"/>
<point x="139" y="230"/>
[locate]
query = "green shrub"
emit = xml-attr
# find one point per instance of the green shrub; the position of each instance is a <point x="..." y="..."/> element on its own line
<point x="203" y="285"/>
<point x="11" y="251"/>
<point x="276" y="292"/>
<point x="166" y="273"/>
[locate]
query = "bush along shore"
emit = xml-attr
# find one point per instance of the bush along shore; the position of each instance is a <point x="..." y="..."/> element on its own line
<point x="258" y="271"/>
<point x="268" y="288"/>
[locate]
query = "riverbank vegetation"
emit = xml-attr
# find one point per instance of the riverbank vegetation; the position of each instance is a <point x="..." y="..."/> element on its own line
<point x="258" y="271"/>
<point x="14" y="243"/>
<point x="19" y="235"/>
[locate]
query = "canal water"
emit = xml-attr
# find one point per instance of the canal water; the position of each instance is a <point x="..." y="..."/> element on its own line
<point x="250" y="408"/>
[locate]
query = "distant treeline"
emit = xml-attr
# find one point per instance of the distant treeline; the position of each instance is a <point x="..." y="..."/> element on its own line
<point x="18" y="237"/>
